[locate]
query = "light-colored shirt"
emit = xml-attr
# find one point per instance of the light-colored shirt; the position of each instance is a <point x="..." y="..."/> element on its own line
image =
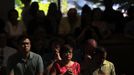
<point x="107" y="68"/>
<point x="15" y="31"/>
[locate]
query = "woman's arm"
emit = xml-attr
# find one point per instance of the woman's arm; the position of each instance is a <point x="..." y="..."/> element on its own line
<point x="53" y="71"/>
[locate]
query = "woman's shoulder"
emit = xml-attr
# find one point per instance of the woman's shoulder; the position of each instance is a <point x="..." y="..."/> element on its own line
<point x="76" y="63"/>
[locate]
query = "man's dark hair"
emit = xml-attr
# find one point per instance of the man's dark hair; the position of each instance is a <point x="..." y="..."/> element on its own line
<point x="23" y="37"/>
<point x="100" y="51"/>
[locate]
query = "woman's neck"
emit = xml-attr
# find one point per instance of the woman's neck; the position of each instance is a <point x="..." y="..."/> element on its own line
<point x="67" y="62"/>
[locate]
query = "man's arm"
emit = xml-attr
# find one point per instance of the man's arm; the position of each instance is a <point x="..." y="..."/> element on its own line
<point x="40" y="66"/>
<point x="10" y="64"/>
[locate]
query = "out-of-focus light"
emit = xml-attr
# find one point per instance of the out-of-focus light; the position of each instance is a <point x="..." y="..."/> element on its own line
<point x="71" y="6"/>
<point x="132" y="4"/>
<point x="125" y="15"/>
<point x="44" y="1"/>
<point x="102" y="8"/>
<point x="90" y="4"/>
<point x="34" y="0"/>
<point x="115" y="6"/>
<point x="124" y="12"/>
<point x="98" y="4"/>
<point x="94" y="6"/>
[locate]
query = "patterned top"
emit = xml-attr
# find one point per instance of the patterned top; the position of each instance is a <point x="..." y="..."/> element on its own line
<point x="60" y="69"/>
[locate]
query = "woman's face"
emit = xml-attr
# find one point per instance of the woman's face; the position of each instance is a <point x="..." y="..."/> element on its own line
<point x="67" y="55"/>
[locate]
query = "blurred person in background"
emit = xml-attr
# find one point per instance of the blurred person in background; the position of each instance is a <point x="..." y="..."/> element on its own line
<point x="5" y="52"/>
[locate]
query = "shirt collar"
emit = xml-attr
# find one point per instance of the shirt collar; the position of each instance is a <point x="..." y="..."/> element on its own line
<point x="105" y="62"/>
<point x="30" y="55"/>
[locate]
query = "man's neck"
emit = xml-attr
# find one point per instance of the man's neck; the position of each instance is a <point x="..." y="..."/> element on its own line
<point x="26" y="55"/>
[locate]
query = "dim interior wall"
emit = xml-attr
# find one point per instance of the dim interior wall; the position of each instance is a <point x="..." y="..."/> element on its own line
<point x="5" y="5"/>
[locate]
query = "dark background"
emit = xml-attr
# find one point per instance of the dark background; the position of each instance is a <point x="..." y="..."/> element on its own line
<point x="119" y="48"/>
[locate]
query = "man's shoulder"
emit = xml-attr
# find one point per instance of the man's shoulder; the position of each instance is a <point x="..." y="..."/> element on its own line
<point x="10" y="49"/>
<point x="13" y="57"/>
<point x="34" y="55"/>
<point x="108" y="62"/>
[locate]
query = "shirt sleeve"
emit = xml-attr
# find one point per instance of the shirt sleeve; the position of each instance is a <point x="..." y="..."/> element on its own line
<point x="10" y="64"/>
<point x="113" y="69"/>
<point x="78" y="68"/>
<point x="40" y="65"/>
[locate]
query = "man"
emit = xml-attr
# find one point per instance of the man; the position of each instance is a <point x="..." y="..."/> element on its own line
<point x="89" y="49"/>
<point x="90" y="46"/>
<point x="25" y="62"/>
<point x="99" y="65"/>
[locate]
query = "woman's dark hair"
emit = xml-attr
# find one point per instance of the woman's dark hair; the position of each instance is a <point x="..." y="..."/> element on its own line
<point x="10" y="12"/>
<point x="52" y="9"/>
<point x="65" y="48"/>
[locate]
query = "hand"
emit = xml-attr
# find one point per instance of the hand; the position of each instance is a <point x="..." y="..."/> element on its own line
<point x="68" y="72"/>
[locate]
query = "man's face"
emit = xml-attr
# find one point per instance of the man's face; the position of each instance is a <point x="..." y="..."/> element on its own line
<point x="26" y="45"/>
<point x="100" y="58"/>
<point x="92" y="43"/>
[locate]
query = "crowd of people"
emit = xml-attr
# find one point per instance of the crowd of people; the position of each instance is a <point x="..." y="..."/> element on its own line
<point x="50" y="44"/>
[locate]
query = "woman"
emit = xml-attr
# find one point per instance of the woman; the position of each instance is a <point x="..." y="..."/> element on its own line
<point x="14" y="27"/>
<point x="66" y="66"/>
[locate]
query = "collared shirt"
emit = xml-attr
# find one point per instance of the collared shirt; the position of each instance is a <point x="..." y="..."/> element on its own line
<point x="31" y="66"/>
<point x="106" y="69"/>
